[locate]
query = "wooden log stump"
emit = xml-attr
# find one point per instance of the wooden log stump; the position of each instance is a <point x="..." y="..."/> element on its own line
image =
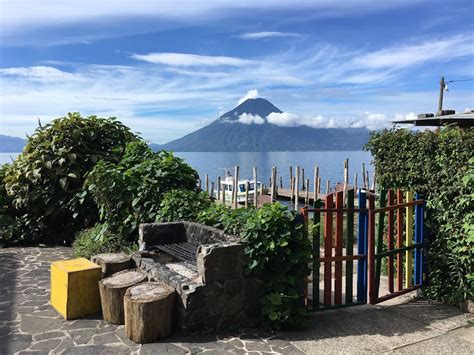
<point x="112" y="263"/>
<point x="149" y="311"/>
<point x="112" y="289"/>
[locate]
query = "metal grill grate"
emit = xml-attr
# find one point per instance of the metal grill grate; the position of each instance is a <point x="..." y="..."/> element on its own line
<point x="182" y="251"/>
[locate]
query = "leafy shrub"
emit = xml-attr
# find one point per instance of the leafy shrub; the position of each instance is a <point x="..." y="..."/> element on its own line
<point x="45" y="182"/>
<point x="98" y="240"/>
<point x="130" y="192"/>
<point x="9" y="225"/>
<point x="231" y="221"/>
<point x="182" y="205"/>
<point x="439" y="165"/>
<point x="279" y="253"/>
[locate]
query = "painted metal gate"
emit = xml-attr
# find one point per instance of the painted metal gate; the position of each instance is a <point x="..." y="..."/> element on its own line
<point x="354" y="244"/>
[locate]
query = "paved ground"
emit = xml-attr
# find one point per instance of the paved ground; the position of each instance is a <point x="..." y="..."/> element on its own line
<point x="28" y="324"/>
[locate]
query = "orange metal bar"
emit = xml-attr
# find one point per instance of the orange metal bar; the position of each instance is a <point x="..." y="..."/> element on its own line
<point x="338" y="252"/>
<point x="328" y="251"/>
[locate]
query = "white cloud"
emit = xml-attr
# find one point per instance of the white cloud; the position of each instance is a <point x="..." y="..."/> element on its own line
<point x="251" y="94"/>
<point x="408" y="55"/>
<point x="267" y="34"/>
<point x="38" y="73"/>
<point x="188" y="60"/>
<point x="248" y="118"/>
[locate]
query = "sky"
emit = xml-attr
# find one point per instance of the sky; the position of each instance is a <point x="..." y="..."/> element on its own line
<point x="166" y="68"/>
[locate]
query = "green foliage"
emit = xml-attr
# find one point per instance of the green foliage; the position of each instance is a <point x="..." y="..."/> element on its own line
<point x="9" y="225"/>
<point x="231" y="221"/>
<point x="130" y="192"/>
<point x="279" y="251"/>
<point x="45" y="182"/>
<point x="182" y="205"/>
<point x="98" y="240"/>
<point x="438" y="164"/>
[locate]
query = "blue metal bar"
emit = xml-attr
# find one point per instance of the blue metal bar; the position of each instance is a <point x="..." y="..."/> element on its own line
<point x="362" y="249"/>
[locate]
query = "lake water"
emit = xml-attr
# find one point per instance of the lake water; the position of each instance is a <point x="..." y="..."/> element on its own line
<point x="331" y="163"/>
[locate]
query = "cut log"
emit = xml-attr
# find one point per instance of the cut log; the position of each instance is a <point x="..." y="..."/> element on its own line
<point x="112" y="289"/>
<point x="112" y="263"/>
<point x="149" y="311"/>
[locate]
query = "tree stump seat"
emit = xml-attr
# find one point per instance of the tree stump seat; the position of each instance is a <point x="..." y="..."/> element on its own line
<point x="112" y="263"/>
<point x="112" y="289"/>
<point x="149" y="312"/>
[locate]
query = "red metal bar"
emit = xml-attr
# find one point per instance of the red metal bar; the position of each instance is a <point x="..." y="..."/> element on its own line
<point x="336" y="209"/>
<point x="390" y="240"/>
<point x="338" y="267"/>
<point x="396" y="294"/>
<point x="328" y="251"/>
<point x="400" y="205"/>
<point x="399" y="240"/>
<point x="371" y="251"/>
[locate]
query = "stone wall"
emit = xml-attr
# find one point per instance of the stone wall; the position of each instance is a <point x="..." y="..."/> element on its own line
<point x="221" y="296"/>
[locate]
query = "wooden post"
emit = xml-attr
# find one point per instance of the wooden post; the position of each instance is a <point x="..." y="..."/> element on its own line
<point x="199" y="184"/>
<point x="112" y="263"/>
<point x="302" y="179"/>
<point x="261" y="189"/>
<point x="315" y="183"/>
<point x="346" y="175"/>
<point x="212" y="190"/>
<point x="255" y="194"/>
<point x="367" y="178"/>
<point x="328" y="187"/>
<point x="297" y="187"/>
<point x="206" y="183"/>
<point x="319" y="186"/>
<point x="292" y="190"/>
<point x="272" y="184"/>
<point x="247" y="194"/>
<point x="218" y="188"/>
<point x="307" y="193"/>
<point x="364" y="182"/>
<point x="236" y="186"/>
<point x="223" y="194"/>
<point x="355" y="183"/>
<point x="373" y="181"/>
<point x="281" y="182"/>
<point x="291" y="176"/>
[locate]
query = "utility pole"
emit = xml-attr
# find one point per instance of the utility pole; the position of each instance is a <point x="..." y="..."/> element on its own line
<point x="441" y="92"/>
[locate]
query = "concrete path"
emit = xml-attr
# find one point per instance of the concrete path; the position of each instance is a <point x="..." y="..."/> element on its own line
<point x="28" y="324"/>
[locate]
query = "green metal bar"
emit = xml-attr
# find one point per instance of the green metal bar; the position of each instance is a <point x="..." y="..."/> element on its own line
<point x="378" y="265"/>
<point x="399" y="250"/>
<point x="349" y="245"/>
<point x="316" y="255"/>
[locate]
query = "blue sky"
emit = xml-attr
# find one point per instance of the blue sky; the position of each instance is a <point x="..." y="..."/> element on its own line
<point x="166" y="68"/>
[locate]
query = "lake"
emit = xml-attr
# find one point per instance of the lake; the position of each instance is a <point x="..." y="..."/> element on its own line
<point x="331" y="163"/>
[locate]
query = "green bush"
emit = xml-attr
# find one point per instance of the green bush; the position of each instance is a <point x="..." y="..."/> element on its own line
<point x="231" y="221"/>
<point x="130" y="192"/>
<point x="45" y="183"/>
<point x="439" y="165"/>
<point x="9" y="225"/>
<point x="279" y="251"/>
<point x="98" y="240"/>
<point x="182" y="205"/>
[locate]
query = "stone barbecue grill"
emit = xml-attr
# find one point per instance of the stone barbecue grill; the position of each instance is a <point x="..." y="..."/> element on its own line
<point x="206" y="268"/>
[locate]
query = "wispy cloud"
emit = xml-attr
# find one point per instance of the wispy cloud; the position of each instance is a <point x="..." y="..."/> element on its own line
<point x="268" y="34"/>
<point x="251" y="94"/>
<point x="188" y="60"/>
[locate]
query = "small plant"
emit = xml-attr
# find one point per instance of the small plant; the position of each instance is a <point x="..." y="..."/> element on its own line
<point x="98" y="240"/>
<point x="279" y="252"/>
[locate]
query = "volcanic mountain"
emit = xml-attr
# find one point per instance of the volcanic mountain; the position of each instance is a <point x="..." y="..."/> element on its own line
<point x="247" y="128"/>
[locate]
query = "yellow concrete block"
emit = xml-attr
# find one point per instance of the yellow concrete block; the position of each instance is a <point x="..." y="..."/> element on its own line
<point x="75" y="287"/>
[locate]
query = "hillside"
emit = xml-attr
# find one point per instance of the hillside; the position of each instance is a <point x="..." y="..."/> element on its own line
<point x="11" y="144"/>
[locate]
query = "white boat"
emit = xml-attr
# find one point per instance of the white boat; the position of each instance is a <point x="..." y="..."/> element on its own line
<point x="227" y="188"/>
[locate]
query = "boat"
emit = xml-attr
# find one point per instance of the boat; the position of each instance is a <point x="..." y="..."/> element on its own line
<point x="227" y="188"/>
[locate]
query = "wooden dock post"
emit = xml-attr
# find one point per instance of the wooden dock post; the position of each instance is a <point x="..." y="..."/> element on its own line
<point x="223" y="195"/>
<point x="355" y="183"/>
<point x="291" y="176"/>
<point x="328" y="187"/>
<point x="292" y="190"/>
<point x="199" y="184"/>
<point x="218" y="188"/>
<point x="315" y="182"/>
<point x="247" y="194"/>
<point x="255" y="194"/>
<point x="297" y="187"/>
<point x="373" y="181"/>
<point x="302" y="179"/>
<point x="306" y="200"/>
<point x="211" y="194"/>
<point x="206" y="183"/>
<point x="319" y="186"/>
<point x="281" y="182"/>
<point x="367" y="178"/>
<point x="346" y="176"/>
<point x="364" y="182"/>
<point x="236" y="186"/>
<point x="273" y="192"/>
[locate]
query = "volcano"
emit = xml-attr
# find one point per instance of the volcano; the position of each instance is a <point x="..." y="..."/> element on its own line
<point x="247" y="128"/>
